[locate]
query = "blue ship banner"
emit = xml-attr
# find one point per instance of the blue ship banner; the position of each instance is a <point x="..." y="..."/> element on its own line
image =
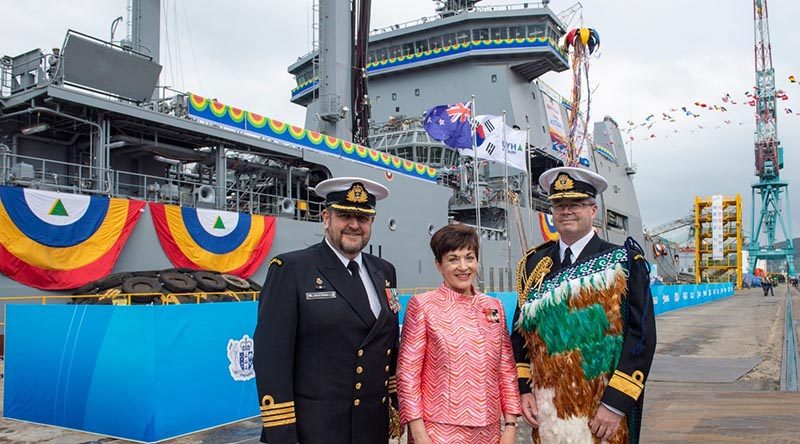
<point x="58" y="241"/>
<point x="142" y="373"/>
<point x="205" y="239"/>
<point x="218" y="113"/>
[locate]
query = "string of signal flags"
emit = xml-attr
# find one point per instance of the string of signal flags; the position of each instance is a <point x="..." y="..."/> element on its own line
<point x="652" y="126"/>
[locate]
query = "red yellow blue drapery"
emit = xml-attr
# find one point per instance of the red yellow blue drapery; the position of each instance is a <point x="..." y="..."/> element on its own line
<point x="204" y="239"/>
<point x="57" y="241"/>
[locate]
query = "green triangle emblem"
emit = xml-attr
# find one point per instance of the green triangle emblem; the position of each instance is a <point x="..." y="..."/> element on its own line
<point x="218" y="225"/>
<point x="58" y="209"/>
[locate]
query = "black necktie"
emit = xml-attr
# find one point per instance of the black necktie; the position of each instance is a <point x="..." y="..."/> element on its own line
<point x="567" y="258"/>
<point x="358" y="284"/>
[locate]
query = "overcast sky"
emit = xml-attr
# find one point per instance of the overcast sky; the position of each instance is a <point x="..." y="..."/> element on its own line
<point x="654" y="56"/>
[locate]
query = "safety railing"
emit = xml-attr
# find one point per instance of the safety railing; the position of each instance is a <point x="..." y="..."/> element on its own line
<point x="52" y="175"/>
<point x="419" y="21"/>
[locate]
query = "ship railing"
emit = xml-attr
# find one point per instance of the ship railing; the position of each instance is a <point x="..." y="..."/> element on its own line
<point x="53" y="175"/>
<point x="419" y="21"/>
<point x="116" y="298"/>
<point x="27" y="71"/>
<point x="487" y="233"/>
<point x="194" y="194"/>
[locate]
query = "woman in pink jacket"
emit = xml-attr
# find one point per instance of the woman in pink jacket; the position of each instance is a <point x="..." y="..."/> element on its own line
<point x="455" y="373"/>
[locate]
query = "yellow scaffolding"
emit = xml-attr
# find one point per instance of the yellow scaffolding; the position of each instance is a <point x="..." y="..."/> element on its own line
<point x="729" y="267"/>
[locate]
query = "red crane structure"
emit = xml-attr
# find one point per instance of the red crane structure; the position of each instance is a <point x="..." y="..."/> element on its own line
<point x="768" y="157"/>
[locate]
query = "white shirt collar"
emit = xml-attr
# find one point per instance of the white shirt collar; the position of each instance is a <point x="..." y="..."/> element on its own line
<point x="345" y="260"/>
<point x="575" y="248"/>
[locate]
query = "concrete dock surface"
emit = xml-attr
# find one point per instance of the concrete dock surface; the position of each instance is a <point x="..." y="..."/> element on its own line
<point x="715" y="379"/>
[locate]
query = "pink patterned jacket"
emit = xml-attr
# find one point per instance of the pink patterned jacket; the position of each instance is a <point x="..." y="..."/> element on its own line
<point x="456" y="365"/>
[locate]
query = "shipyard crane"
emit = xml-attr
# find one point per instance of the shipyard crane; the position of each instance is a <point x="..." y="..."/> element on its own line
<point x="671" y="225"/>
<point x="568" y="15"/>
<point x="768" y="156"/>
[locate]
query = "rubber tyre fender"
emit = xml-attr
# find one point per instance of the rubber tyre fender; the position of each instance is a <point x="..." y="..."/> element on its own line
<point x="90" y="288"/>
<point x="235" y="283"/>
<point x="141" y="284"/>
<point x="208" y="281"/>
<point x="148" y="273"/>
<point x="112" y="280"/>
<point x="254" y="286"/>
<point x="178" y="282"/>
<point x="178" y="270"/>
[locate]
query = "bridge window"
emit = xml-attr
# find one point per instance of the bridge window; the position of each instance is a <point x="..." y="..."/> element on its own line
<point x="517" y="32"/>
<point x="499" y="33"/>
<point x="422" y="154"/>
<point x="535" y="30"/>
<point x="449" y="39"/>
<point x="435" y="42"/>
<point x="408" y="49"/>
<point x="480" y="34"/>
<point x="421" y="46"/>
<point x="462" y="36"/>
<point x="436" y="154"/>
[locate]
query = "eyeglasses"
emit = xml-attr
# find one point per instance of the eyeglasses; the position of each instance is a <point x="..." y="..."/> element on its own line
<point x="573" y="207"/>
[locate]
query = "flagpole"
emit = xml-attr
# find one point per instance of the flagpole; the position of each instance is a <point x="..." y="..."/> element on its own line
<point x="529" y="198"/>
<point x="505" y="185"/>
<point x="474" y="127"/>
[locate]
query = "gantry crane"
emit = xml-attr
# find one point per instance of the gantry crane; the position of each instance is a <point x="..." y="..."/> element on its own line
<point x="768" y="157"/>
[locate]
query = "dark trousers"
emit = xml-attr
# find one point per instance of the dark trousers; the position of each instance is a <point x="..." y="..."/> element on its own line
<point x="767" y="289"/>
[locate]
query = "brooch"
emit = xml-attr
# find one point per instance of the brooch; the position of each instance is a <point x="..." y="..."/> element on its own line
<point x="492" y="315"/>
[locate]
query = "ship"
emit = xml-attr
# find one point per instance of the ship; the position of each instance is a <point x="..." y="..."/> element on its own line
<point x="92" y="121"/>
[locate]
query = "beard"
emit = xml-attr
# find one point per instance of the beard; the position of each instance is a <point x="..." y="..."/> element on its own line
<point x="347" y="244"/>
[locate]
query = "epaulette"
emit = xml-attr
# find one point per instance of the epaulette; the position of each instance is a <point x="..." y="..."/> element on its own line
<point x="521" y="266"/>
<point x="275" y="260"/>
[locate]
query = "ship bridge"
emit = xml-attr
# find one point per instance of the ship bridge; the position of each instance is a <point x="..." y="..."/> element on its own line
<point x="522" y="38"/>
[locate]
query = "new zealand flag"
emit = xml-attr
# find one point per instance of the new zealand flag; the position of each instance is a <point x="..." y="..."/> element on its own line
<point x="450" y="124"/>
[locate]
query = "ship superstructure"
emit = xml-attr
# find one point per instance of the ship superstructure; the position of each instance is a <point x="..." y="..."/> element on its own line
<point x="92" y="121"/>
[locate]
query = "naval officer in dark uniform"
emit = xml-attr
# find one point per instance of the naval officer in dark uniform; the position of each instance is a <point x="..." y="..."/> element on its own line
<point x="566" y="394"/>
<point x="327" y="332"/>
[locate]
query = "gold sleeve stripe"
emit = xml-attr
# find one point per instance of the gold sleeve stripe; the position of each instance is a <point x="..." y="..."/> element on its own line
<point x="277" y="417"/>
<point x="279" y="423"/>
<point x="630" y="385"/>
<point x="271" y="412"/>
<point x="267" y="403"/>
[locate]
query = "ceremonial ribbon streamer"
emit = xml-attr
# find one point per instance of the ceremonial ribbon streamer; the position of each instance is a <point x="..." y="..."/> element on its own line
<point x="205" y="239"/>
<point x="57" y="241"/>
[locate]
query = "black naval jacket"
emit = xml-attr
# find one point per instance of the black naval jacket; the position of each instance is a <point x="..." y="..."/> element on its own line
<point x="324" y="365"/>
<point x="637" y="326"/>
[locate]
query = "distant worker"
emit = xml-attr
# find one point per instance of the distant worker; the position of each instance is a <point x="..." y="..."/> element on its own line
<point x="327" y="331"/>
<point x="585" y="331"/>
<point x="766" y="285"/>
<point x="52" y="63"/>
